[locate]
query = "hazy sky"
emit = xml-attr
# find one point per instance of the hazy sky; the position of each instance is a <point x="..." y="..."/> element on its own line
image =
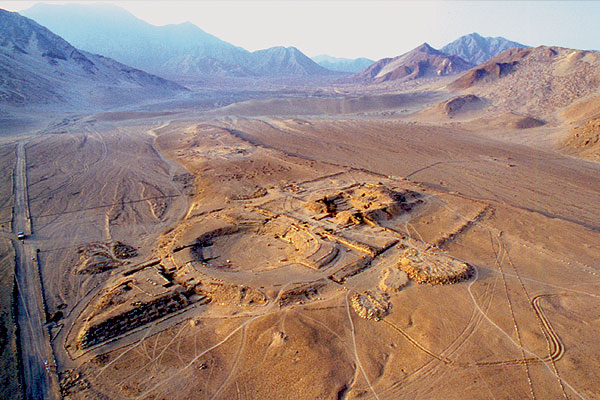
<point x="373" y="29"/>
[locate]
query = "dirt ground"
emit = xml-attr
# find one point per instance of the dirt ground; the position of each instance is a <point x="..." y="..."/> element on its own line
<point x="341" y="256"/>
<point x="9" y="377"/>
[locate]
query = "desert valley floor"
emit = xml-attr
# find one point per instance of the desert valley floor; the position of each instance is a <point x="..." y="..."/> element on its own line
<point x="276" y="255"/>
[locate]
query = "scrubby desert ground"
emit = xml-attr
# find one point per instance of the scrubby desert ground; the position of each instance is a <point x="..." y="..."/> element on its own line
<point x="308" y="249"/>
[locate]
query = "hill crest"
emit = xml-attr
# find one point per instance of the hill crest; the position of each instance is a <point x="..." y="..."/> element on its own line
<point x="421" y="62"/>
<point x="477" y="49"/>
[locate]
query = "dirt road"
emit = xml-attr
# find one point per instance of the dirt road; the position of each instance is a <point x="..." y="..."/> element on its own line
<point x="36" y="354"/>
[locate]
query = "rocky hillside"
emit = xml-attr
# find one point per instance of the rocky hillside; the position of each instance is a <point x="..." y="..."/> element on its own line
<point x="584" y="139"/>
<point x="477" y="49"/>
<point x="543" y="84"/>
<point x="421" y="62"/>
<point x="537" y="81"/>
<point x="39" y="67"/>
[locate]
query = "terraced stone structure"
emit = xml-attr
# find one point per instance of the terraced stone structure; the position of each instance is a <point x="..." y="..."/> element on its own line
<point x="427" y="267"/>
<point x="371" y="304"/>
<point x="327" y="231"/>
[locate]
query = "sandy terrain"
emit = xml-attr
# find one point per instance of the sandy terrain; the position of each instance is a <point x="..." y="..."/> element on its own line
<point x="8" y="344"/>
<point x="372" y="247"/>
<point x="423" y="231"/>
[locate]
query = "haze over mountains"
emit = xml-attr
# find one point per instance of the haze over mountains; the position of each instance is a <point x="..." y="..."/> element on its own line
<point x="184" y="51"/>
<point x="343" y="64"/>
<point x="171" y="50"/>
<point x="39" y="67"/>
<point x="42" y="67"/>
<point x="284" y="61"/>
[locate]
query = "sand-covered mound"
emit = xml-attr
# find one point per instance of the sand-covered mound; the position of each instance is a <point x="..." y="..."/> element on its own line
<point x="582" y="110"/>
<point x="463" y="106"/>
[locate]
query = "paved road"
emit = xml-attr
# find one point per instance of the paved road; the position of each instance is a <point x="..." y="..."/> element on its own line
<point x="36" y="353"/>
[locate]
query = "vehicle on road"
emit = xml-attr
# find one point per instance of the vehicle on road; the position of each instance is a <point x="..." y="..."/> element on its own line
<point x="21" y="235"/>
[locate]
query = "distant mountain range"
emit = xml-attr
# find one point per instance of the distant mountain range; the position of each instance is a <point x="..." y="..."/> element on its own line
<point x="39" y="67"/>
<point x="421" y="62"/>
<point x="184" y="52"/>
<point x="477" y="49"/>
<point x="424" y="61"/>
<point x="172" y="51"/>
<point x="342" y="64"/>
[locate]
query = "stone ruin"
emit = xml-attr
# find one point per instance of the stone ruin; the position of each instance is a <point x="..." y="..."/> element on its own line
<point x="371" y="304"/>
<point x="433" y="269"/>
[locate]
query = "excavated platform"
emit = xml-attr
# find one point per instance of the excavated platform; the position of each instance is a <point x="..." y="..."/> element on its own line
<point x="321" y="233"/>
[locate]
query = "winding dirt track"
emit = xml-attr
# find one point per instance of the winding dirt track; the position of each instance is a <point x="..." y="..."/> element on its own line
<point x="558" y="348"/>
